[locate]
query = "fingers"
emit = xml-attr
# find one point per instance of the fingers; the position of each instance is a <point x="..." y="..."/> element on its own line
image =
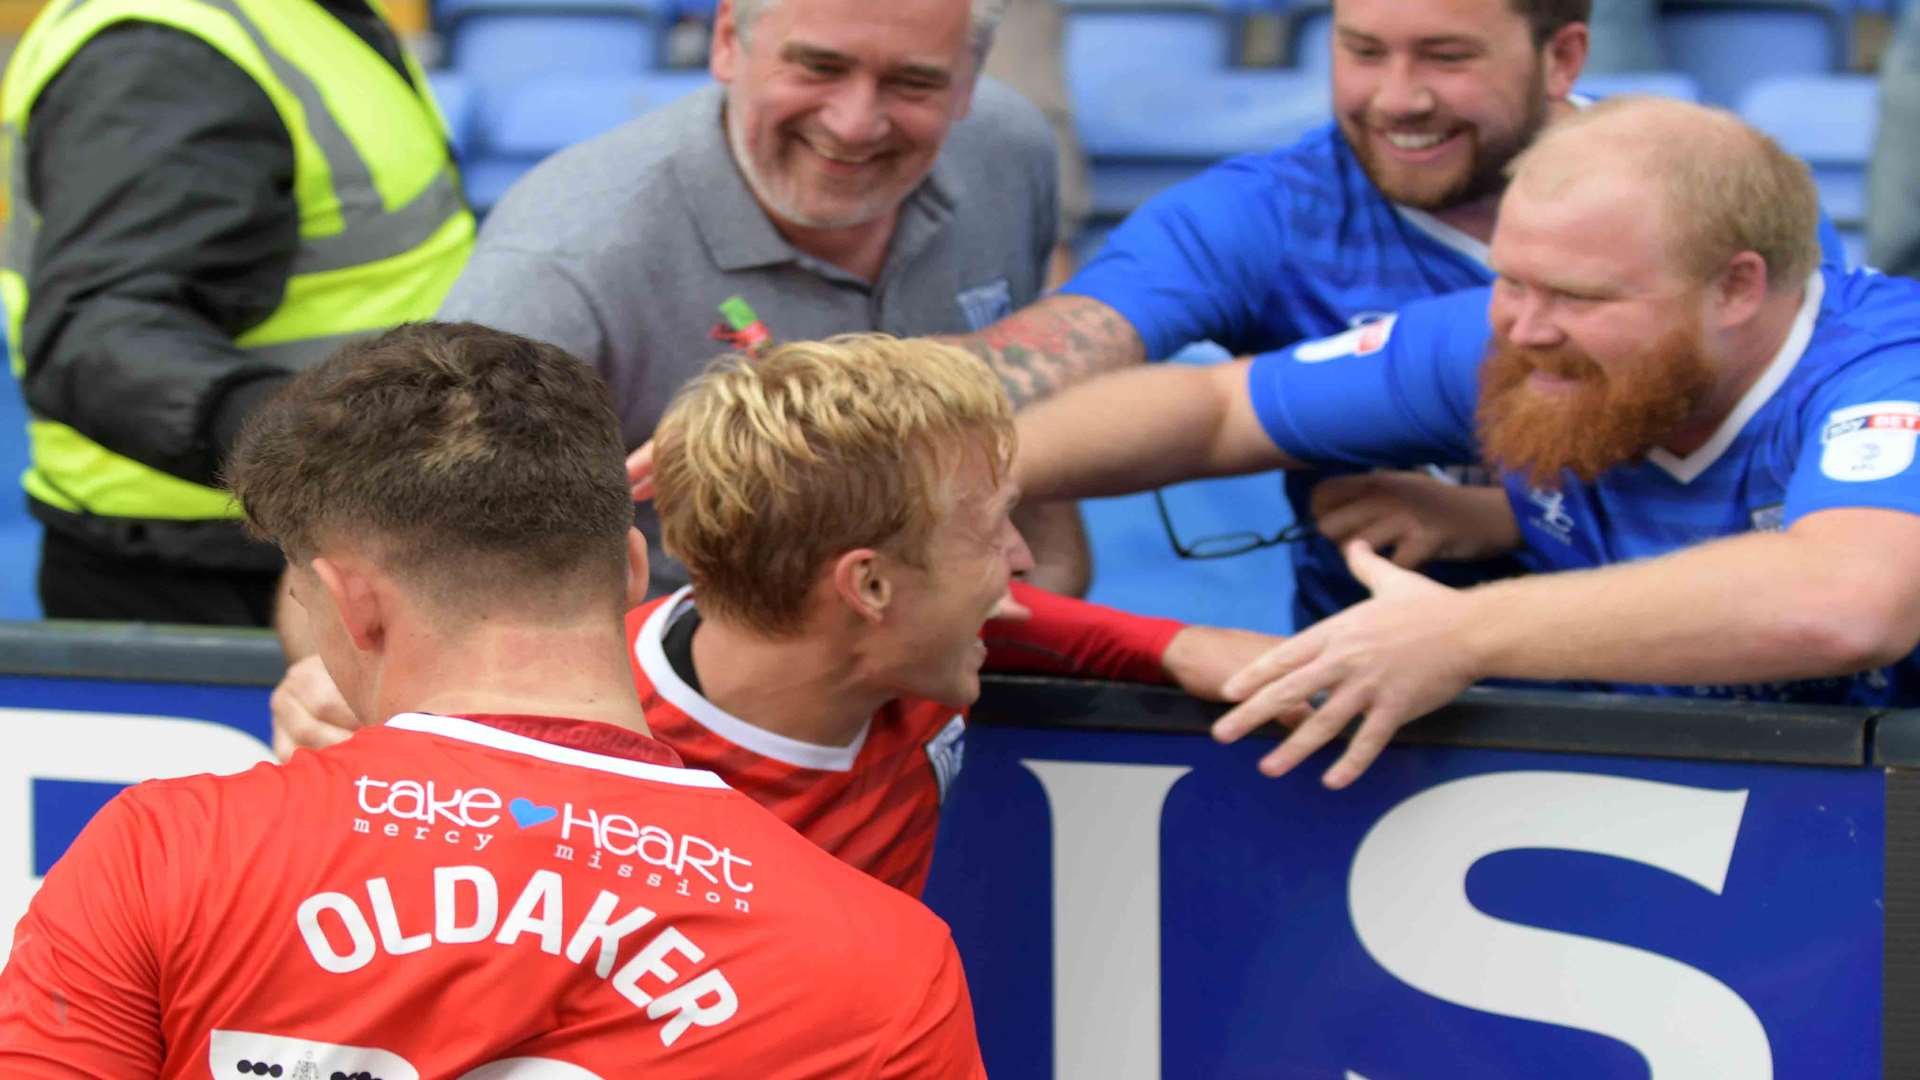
<point x="1270" y="665"/>
<point x="1316" y="731"/>
<point x="640" y="472"/>
<point x="1366" y="564"/>
<point x="308" y="711"/>
<point x="1366" y="745"/>
<point x="1343" y="522"/>
<point x="1416" y="550"/>
<point x="1335" y="492"/>
<point x="1280" y="697"/>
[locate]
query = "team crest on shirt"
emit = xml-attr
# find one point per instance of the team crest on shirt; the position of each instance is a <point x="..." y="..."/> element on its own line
<point x="1869" y="442"/>
<point x="1363" y="340"/>
<point x="945" y="751"/>
<point x="984" y="305"/>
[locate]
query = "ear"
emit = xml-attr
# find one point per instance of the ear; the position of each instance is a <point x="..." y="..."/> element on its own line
<point x="1740" y="291"/>
<point x="355" y="599"/>
<point x="723" y="54"/>
<point x="862" y="581"/>
<point x="636" y="568"/>
<point x="963" y="102"/>
<point x="1565" y="56"/>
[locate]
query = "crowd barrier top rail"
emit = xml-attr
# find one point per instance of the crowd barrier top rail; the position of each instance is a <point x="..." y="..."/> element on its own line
<point x="1487" y="718"/>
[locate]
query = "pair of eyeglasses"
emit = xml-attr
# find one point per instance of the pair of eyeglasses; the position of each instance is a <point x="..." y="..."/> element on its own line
<point x="1225" y="545"/>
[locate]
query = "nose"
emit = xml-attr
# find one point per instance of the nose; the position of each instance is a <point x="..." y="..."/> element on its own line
<point x="854" y="115"/>
<point x="1402" y="92"/>
<point x="1525" y="319"/>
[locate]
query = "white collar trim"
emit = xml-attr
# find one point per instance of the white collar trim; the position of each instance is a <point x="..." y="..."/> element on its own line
<point x="1687" y="469"/>
<point x="469" y="731"/>
<point x="1453" y="238"/>
<point x="652" y="658"/>
<point x="1446" y="234"/>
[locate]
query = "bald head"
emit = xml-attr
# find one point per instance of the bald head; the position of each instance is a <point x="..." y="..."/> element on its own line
<point x="1716" y="186"/>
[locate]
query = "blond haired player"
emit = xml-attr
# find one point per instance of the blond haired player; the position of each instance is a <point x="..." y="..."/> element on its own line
<point x="842" y="509"/>
<point x="510" y="877"/>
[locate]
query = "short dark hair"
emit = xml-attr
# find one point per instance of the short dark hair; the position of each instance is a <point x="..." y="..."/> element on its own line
<point x="475" y="463"/>
<point x="1548" y="16"/>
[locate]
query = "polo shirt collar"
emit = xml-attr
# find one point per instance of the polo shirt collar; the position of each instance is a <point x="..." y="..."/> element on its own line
<point x="737" y="231"/>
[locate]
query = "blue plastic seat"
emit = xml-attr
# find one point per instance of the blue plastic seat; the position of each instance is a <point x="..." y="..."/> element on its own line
<point x="526" y="124"/>
<point x="1728" y="45"/>
<point x="1148" y="131"/>
<point x="550" y="114"/>
<point x="1672" y="84"/>
<point x="1310" y="36"/>
<point x="499" y="45"/>
<point x="1140" y="38"/>
<point x="454" y="95"/>
<point x="1829" y="121"/>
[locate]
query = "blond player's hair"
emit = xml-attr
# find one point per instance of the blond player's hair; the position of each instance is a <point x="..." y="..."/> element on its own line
<point x="766" y="469"/>
<point x="1726" y="186"/>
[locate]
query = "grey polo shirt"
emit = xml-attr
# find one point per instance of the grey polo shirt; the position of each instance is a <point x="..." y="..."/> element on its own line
<point x="620" y="250"/>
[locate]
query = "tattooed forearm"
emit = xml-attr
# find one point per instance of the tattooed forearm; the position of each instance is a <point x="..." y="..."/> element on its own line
<point x="1055" y="343"/>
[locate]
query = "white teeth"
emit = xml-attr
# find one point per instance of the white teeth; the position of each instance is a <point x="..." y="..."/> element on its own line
<point x="1410" y="141"/>
<point x="841" y="158"/>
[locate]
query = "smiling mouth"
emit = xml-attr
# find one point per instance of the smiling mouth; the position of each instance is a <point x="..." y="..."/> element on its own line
<point x="1416" y="140"/>
<point x="842" y="158"/>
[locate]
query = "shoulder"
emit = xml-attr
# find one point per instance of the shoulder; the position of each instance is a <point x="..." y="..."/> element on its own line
<point x="1867" y="334"/>
<point x="586" y="198"/>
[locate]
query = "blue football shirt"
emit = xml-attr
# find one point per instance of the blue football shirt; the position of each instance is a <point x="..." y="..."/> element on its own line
<point x="1264" y="250"/>
<point x="1831" y="423"/>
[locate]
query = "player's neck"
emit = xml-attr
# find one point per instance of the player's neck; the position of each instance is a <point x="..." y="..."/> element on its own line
<point x="580" y="673"/>
<point x="1744" y="355"/>
<point x="804" y="687"/>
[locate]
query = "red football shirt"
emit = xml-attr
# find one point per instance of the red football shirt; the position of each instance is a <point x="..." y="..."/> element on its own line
<point x="472" y="898"/>
<point x="875" y="803"/>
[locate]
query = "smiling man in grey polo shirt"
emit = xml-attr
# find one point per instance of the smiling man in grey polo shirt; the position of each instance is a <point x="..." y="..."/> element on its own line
<point x="846" y="176"/>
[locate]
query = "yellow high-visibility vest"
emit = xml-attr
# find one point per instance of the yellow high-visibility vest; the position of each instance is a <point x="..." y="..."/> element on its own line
<point x="384" y="228"/>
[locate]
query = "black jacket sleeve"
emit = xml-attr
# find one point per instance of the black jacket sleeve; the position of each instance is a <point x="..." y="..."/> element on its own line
<point x="164" y="181"/>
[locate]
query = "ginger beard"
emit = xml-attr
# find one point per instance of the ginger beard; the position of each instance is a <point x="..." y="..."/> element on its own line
<point x="1599" y="417"/>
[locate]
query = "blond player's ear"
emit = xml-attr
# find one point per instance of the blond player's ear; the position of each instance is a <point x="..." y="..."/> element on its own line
<point x="860" y="580"/>
<point x="636" y="568"/>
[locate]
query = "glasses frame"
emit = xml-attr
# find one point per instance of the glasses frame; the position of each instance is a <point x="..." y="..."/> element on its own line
<point x="1226" y="545"/>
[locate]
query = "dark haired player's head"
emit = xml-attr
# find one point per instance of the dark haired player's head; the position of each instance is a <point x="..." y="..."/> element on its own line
<point x="443" y="481"/>
<point x="1436" y="97"/>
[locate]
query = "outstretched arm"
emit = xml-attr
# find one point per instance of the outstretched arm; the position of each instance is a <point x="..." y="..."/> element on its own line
<point x="1836" y="594"/>
<point x="1141" y="429"/>
<point x="1054" y="343"/>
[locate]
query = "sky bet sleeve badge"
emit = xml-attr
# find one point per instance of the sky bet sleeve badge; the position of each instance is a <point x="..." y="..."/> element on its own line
<point x="1870" y="442"/>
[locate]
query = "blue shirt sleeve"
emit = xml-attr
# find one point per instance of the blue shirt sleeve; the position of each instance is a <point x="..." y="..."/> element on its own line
<point x="1194" y="262"/>
<point x="1395" y="393"/>
<point x="1858" y="440"/>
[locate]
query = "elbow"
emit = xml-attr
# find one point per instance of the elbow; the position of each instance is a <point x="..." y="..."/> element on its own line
<point x="1847" y="635"/>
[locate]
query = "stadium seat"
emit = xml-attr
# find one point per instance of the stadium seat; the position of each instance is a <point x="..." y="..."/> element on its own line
<point x="531" y="121"/>
<point x="1310" y="36"/>
<point x="1672" y="84"/>
<point x="1148" y="131"/>
<point x="499" y="44"/>
<point x="1134" y="39"/>
<point x="1829" y="121"/>
<point x="1196" y="115"/>
<point x="1728" y="45"/>
<point x="454" y="95"/>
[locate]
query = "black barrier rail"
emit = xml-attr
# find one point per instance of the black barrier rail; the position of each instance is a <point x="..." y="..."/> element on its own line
<point x="1485" y="718"/>
<point x="141" y="652"/>
<point x="1492" y="719"/>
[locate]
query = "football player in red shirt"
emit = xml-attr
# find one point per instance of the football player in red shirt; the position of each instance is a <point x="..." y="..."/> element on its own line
<point x="510" y="877"/>
<point x="842" y="509"/>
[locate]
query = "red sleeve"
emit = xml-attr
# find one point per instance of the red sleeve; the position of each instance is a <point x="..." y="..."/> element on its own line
<point x="80" y="994"/>
<point x="1073" y="637"/>
<point x="937" y="1040"/>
